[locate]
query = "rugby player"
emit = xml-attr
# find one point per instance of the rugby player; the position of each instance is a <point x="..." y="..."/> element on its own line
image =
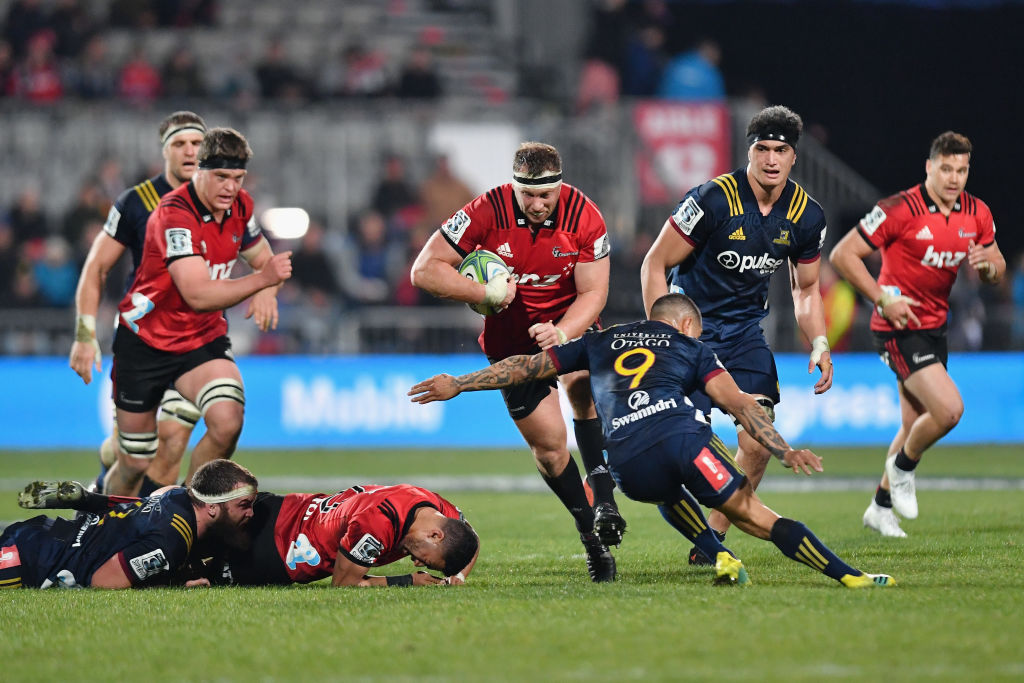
<point x="661" y="450"/>
<point x="554" y="241"/>
<point x="924" y="234"/>
<point x="723" y="243"/>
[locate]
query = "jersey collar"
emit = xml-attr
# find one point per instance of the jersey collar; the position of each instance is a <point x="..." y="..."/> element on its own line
<point x="204" y="212"/>
<point x="522" y="222"/>
<point x="932" y="206"/>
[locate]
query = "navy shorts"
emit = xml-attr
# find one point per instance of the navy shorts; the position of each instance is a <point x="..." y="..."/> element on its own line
<point x="907" y="351"/>
<point x="141" y="374"/>
<point x="750" y="362"/>
<point x="701" y="465"/>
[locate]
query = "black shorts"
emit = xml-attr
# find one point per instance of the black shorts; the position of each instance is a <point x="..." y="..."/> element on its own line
<point x="907" y="351"/>
<point x="141" y="374"/>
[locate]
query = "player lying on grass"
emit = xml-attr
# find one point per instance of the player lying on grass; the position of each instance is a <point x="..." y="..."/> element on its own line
<point x="660" y="448"/>
<point x="304" y="537"/>
<point x="126" y="543"/>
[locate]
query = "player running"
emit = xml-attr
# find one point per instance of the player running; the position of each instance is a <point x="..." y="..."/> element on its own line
<point x="660" y="448"/>
<point x="555" y="243"/>
<point x="925" y="234"/>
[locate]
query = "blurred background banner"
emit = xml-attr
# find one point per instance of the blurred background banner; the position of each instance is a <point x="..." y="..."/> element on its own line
<point x="358" y="402"/>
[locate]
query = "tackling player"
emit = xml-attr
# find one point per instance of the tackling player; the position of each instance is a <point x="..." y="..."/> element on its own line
<point x="925" y="234"/>
<point x="172" y="327"/>
<point x="661" y="450"/>
<point x="554" y="241"/>
<point x="723" y="242"/>
<point x="133" y="544"/>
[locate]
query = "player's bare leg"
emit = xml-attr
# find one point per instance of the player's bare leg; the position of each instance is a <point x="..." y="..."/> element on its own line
<point x="215" y="387"/>
<point x="879" y="515"/>
<point x="544" y="431"/>
<point x="166" y="466"/>
<point x="136" y="446"/>
<point x="608" y="523"/>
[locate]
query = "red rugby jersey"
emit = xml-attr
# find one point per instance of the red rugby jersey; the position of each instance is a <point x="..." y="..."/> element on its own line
<point x="922" y="250"/>
<point x="542" y="260"/>
<point x="364" y="523"/>
<point x="181" y="226"/>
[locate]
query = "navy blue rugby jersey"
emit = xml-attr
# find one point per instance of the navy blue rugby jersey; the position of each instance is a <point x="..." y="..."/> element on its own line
<point x="736" y="249"/>
<point x="126" y="221"/>
<point x="151" y="538"/>
<point x="640" y="375"/>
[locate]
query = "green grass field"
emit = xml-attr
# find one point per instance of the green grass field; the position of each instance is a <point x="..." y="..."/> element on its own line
<point x="530" y="613"/>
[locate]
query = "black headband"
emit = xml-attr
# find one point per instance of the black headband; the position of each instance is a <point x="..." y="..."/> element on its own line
<point x="544" y="180"/>
<point x="218" y="161"/>
<point x="770" y="135"/>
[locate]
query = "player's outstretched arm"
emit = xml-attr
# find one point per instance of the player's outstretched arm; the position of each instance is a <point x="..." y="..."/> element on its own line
<point x="192" y="278"/>
<point x="809" y="310"/>
<point x="504" y="373"/>
<point x="723" y="391"/>
<point x="668" y="250"/>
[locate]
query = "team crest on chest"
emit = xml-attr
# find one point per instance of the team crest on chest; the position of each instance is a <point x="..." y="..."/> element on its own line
<point x="783" y="238"/>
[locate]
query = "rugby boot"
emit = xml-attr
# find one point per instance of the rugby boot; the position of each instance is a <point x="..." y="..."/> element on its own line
<point x="729" y="571"/>
<point x="902" y="488"/>
<point x="868" y="581"/>
<point x="51" y="495"/>
<point x="609" y="524"/>
<point x="600" y="562"/>
<point x="883" y="520"/>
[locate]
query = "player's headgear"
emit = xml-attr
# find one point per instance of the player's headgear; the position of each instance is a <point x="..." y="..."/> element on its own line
<point x="221" y="480"/>
<point x="775" y="123"/>
<point x="180" y="122"/>
<point x="224" y="148"/>
<point x="536" y="166"/>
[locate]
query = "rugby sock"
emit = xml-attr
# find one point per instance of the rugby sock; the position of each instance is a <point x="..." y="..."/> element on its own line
<point x="568" y="486"/>
<point x="148" y="486"/>
<point x="883" y="497"/>
<point x="687" y="518"/>
<point x="797" y="542"/>
<point x="905" y="463"/>
<point x="590" y="440"/>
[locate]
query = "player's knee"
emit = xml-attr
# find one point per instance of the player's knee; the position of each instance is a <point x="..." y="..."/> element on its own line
<point x="174" y="439"/>
<point x="550" y="461"/>
<point x="175" y="407"/>
<point x="949" y="416"/>
<point x="139" y="447"/>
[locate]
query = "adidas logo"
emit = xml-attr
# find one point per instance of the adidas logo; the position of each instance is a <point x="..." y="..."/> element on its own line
<point x="738" y="234"/>
<point x="924" y="234"/>
<point x="505" y="250"/>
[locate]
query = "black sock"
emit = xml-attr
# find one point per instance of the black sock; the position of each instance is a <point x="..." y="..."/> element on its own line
<point x="797" y="542"/>
<point x="686" y="517"/>
<point x="148" y="486"/>
<point x="883" y="497"/>
<point x="905" y="463"/>
<point x="590" y="441"/>
<point x="568" y="486"/>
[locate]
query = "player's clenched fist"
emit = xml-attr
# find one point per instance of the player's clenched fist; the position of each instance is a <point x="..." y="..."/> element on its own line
<point x="279" y="268"/>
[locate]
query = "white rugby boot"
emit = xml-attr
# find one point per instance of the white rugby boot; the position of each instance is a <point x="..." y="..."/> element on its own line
<point x="883" y="520"/>
<point x="902" y="488"/>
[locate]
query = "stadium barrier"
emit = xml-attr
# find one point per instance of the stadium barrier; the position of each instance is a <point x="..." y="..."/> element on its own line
<point x="360" y="402"/>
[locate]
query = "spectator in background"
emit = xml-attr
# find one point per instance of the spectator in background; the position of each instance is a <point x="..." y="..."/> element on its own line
<point x="313" y="270"/>
<point x="371" y="262"/>
<point x="183" y="13"/>
<point x="72" y="25"/>
<point x="27" y="218"/>
<point x="37" y="77"/>
<point x="645" y="59"/>
<point x="694" y="75"/>
<point x="25" y="19"/>
<point x="90" y="205"/>
<point x="8" y="260"/>
<point x="605" y="56"/>
<point x="419" y="78"/>
<point x="366" y="73"/>
<point x="442" y="193"/>
<point x="394" y="193"/>
<point x="139" y="81"/>
<point x="181" y="76"/>
<point x="279" y="79"/>
<point x="6" y="69"/>
<point x="56" y="273"/>
<point x="91" y="76"/>
<point x="111" y="178"/>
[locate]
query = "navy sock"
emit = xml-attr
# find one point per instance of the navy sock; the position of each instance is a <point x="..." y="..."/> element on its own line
<point x="148" y="486"/>
<point x="797" y="542"/>
<point x="568" y="486"/>
<point x="905" y="463"/>
<point x="686" y="517"/>
<point x="590" y="440"/>
<point x="883" y="497"/>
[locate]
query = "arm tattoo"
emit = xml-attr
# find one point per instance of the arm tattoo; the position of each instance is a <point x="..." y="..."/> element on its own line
<point x="505" y="373"/>
<point x="756" y="422"/>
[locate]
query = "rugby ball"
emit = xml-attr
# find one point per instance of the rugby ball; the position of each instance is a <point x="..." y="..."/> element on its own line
<point x="482" y="265"/>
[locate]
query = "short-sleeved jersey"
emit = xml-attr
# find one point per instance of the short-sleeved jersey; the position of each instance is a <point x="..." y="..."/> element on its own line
<point x="151" y="538"/>
<point x="737" y="249"/>
<point x="182" y="227"/>
<point x="363" y="523"/>
<point x="542" y="260"/>
<point x="922" y="249"/>
<point x="126" y="221"/>
<point x="640" y="376"/>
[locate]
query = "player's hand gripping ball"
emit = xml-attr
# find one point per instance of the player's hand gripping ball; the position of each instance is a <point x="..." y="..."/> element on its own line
<point x="488" y="269"/>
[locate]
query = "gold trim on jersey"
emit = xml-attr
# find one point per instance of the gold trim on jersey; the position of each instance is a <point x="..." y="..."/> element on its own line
<point x="148" y="194"/>
<point x="689" y="516"/>
<point x="797" y="204"/>
<point x="732" y="193"/>
<point x="719" y="449"/>
<point x="11" y="583"/>
<point x="182" y="527"/>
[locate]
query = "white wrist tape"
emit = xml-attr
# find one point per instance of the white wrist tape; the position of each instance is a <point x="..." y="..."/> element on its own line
<point x="561" y="336"/>
<point x="819" y="345"/>
<point x="495" y="290"/>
